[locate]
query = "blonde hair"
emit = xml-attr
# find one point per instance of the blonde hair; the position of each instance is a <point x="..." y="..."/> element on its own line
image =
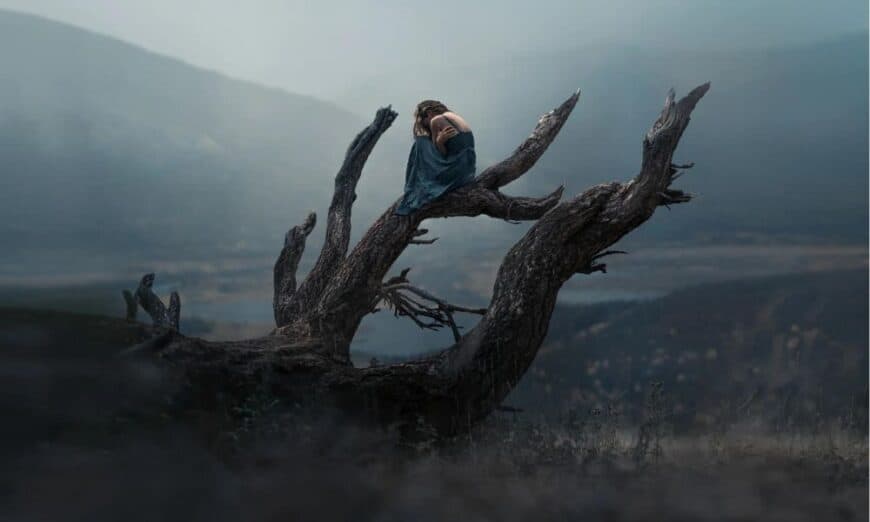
<point x="424" y="107"/>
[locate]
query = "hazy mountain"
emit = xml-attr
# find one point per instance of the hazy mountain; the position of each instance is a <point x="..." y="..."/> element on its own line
<point x="116" y="160"/>
<point x="105" y="146"/>
<point x="780" y="142"/>
<point x="791" y="346"/>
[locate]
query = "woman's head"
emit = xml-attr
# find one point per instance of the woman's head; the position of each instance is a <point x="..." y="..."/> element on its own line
<point x="426" y="110"/>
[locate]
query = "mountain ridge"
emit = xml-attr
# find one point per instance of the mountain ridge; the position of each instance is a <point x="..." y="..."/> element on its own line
<point x="111" y="149"/>
<point x="73" y="28"/>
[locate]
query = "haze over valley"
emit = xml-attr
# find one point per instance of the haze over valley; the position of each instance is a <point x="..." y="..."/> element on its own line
<point x="119" y="161"/>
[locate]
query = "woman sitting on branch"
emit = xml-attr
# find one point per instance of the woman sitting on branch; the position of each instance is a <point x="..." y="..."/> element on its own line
<point x="442" y="157"/>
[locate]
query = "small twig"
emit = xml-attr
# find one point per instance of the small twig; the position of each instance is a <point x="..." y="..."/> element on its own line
<point x="507" y="217"/>
<point x="397" y="292"/>
<point x="422" y="241"/>
<point x="671" y="196"/>
<point x="683" y="166"/>
<point x="599" y="267"/>
<point x="591" y="268"/>
<point x="608" y="253"/>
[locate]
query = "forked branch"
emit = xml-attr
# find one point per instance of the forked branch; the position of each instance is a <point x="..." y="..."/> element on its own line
<point x="463" y="383"/>
<point x="487" y="362"/>
<point x="144" y="297"/>
<point x="338" y="221"/>
<point x="423" y="308"/>
<point x="356" y="283"/>
<point x="286" y="266"/>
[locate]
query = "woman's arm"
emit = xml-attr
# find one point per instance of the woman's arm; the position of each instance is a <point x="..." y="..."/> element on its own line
<point x="441" y="139"/>
<point x="442" y="131"/>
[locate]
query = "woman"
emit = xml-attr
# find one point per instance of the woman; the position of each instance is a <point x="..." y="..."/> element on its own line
<point x="442" y="157"/>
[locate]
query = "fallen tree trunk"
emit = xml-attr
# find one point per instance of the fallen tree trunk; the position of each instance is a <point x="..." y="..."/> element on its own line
<point x="306" y="358"/>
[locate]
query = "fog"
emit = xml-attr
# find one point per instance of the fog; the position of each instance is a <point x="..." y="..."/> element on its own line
<point x="120" y="159"/>
<point x="319" y="47"/>
<point x="715" y="372"/>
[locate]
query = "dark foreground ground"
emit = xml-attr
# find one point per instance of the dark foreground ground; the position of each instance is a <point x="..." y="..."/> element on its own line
<point x="85" y="435"/>
<point x="505" y="471"/>
<point x="173" y="478"/>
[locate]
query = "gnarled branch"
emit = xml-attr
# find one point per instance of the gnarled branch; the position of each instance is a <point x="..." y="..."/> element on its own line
<point x="421" y="232"/>
<point x="528" y="153"/>
<point x="461" y="384"/>
<point x="342" y="304"/>
<point x="395" y="293"/>
<point x="144" y="297"/>
<point x="338" y="220"/>
<point x="486" y="363"/>
<point x="286" y="266"/>
<point x="599" y="267"/>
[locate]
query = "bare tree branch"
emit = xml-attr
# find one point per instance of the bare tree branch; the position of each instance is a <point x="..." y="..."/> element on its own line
<point x="599" y="267"/>
<point x="527" y="154"/>
<point x="450" y="390"/>
<point x="395" y="293"/>
<point x="338" y="221"/>
<point x="286" y="266"/>
<point x="357" y="280"/>
<point x="132" y="305"/>
<point x="173" y="314"/>
<point x="486" y="363"/>
<point x="144" y="297"/>
<point x="496" y="353"/>
<point x="474" y="200"/>
<point x="422" y="232"/>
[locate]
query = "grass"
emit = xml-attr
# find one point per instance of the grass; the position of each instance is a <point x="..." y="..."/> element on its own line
<point x="71" y="450"/>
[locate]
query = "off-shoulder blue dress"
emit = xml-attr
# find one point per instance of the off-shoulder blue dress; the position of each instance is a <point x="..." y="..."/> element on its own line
<point x="430" y="174"/>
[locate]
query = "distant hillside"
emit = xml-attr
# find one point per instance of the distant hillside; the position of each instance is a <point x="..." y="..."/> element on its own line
<point x="793" y="347"/>
<point x="107" y="147"/>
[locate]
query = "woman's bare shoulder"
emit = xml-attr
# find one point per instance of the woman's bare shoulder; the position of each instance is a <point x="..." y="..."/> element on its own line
<point x="457" y="120"/>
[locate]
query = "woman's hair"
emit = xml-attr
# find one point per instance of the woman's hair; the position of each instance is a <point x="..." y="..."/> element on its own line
<point x="430" y="106"/>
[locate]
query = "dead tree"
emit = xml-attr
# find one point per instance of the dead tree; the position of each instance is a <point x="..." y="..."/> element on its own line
<point x="305" y="359"/>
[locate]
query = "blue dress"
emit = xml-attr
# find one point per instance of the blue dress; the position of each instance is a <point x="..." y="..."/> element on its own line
<point x="430" y="174"/>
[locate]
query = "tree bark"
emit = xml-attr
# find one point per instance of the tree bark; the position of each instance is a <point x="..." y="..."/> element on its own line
<point x="306" y="358"/>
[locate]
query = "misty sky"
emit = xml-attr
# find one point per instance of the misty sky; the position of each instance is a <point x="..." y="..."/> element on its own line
<point x="316" y="47"/>
<point x="365" y="53"/>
